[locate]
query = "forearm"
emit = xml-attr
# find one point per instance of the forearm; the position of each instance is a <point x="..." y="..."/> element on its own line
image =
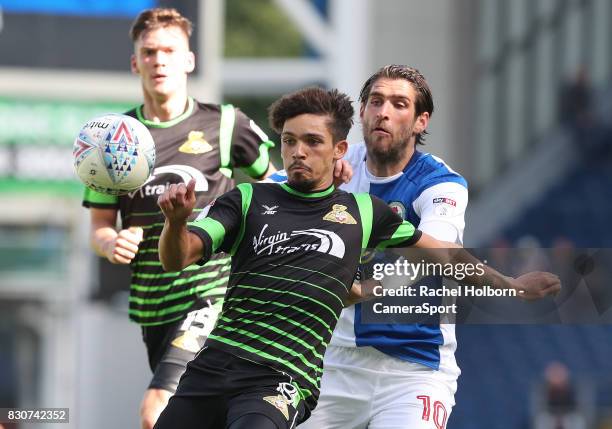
<point x="102" y="239"/>
<point x="174" y="246"/>
<point x="458" y="259"/>
<point x="481" y="274"/>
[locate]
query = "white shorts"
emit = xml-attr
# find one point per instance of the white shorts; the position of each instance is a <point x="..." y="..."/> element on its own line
<point x="364" y="388"/>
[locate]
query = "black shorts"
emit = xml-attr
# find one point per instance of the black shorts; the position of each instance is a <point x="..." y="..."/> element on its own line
<point x="220" y="390"/>
<point x="172" y="345"/>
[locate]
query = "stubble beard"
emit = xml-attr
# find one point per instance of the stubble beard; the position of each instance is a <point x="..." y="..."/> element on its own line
<point x="390" y="154"/>
<point x="301" y="184"/>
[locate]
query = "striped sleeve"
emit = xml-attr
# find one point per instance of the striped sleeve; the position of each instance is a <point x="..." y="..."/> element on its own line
<point x="389" y="229"/>
<point x="93" y="199"/>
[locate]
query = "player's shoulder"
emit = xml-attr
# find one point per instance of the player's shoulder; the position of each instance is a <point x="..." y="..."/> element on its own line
<point x="356" y="154"/>
<point x="133" y="112"/>
<point x="430" y="170"/>
<point x="207" y="107"/>
<point x="219" y="108"/>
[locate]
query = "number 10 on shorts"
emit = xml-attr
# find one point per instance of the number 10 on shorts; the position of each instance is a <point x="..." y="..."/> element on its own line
<point x="439" y="411"/>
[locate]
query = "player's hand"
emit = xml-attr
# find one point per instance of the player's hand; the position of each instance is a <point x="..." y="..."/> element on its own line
<point x="343" y="172"/>
<point x="178" y="201"/>
<point x="361" y="291"/>
<point x="536" y="285"/>
<point x="123" y="248"/>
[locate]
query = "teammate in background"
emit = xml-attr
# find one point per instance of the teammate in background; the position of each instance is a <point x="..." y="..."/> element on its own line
<point x="193" y="141"/>
<point x="295" y="248"/>
<point x="396" y="376"/>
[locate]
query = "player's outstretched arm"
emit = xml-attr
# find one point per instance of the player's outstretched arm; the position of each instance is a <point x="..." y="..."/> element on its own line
<point x="530" y="286"/>
<point x="178" y="248"/>
<point x="118" y="247"/>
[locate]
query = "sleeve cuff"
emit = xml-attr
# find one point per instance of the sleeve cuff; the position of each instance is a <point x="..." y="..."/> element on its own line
<point x="206" y="241"/>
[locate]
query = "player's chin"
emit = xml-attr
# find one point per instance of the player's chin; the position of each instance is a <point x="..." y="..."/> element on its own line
<point x="298" y="175"/>
<point x="301" y="183"/>
<point x="164" y="87"/>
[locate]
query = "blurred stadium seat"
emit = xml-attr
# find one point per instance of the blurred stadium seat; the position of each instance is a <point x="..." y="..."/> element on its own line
<point x="501" y="365"/>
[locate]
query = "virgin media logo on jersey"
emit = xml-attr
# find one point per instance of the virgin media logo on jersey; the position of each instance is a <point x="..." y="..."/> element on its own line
<point x="282" y="243"/>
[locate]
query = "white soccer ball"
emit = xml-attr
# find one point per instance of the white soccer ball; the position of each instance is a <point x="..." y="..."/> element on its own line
<point x="114" y="154"/>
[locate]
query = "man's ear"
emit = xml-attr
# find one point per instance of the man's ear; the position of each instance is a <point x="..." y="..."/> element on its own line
<point x="340" y="149"/>
<point x="190" y="65"/>
<point x="134" y="65"/>
<point x="361" y="111"/>
<point x="421" y="123"/>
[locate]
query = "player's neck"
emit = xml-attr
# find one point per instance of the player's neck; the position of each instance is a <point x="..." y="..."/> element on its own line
<point x="392" y="167"/>
<point x="164" y="110"/>
<point x="320" y="187"/>
<point x="323" y="186"/>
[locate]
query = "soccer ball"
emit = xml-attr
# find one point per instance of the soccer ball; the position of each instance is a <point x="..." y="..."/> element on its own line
<point x="114" y="154"/>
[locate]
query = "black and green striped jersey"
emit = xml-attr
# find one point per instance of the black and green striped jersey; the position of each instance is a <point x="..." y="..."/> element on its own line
<point x="204" y="143"/>
<point x="293" y="264"/>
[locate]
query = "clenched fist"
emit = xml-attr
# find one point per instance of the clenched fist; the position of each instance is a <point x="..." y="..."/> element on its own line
<point x="536" y="285"/>
<point x="178" y="201"/>
<point x="123" y="248"/>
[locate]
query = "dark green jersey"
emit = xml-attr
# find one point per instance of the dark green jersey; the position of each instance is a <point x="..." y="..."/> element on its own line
<point x="294" y="260"/>
<point x="204" y="143"/>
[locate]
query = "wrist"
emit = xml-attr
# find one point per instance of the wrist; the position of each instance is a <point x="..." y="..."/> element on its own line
<point x="176" y="224"/>
<point x="500" y="281"/>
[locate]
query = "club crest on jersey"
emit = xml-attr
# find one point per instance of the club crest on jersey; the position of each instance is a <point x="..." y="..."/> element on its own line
<point x="340" y="215"/>
<point x="195" y="144"/>
<point x="398" y="208"/>
<point x="280" y="403"/>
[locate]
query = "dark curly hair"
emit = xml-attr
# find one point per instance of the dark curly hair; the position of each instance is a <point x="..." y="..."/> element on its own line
<point x="317" y="101"/>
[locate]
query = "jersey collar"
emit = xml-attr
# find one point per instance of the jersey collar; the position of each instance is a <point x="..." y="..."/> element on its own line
<point x="413" y="159"/>
<point x="319" y="194"/>
<point x="188" y="111"/>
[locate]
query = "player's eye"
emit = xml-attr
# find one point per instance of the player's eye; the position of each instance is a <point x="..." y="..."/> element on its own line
<point x="288" y="140"/>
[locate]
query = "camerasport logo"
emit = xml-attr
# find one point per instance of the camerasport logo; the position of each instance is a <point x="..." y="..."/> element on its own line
<point x="282" y="243"/>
